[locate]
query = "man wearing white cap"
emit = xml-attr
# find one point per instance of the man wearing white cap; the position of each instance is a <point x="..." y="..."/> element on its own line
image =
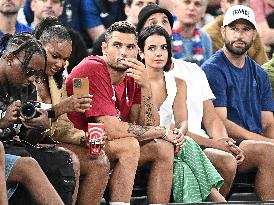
<point x="244" y="97"/>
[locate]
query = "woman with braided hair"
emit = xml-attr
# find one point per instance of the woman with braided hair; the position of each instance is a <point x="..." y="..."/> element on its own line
<point x="57" y="43"/>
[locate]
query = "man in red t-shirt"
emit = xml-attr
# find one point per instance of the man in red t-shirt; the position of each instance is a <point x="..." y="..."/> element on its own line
<point x="122" y="101"/>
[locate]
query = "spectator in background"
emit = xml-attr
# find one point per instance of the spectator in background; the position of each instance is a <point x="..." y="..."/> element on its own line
<point x="189" y="41"/>
<point x="71" y="16"/>
<point x="99" y="15"/>
<point x="45" y="8"/>
<point x="269" y="68"/>
<point x="243" y="97"/>
<point x="133" y="8"/>
<point x="264" y="9"/>
<point x="8" y="14"/>
<point x="256" y="51"/>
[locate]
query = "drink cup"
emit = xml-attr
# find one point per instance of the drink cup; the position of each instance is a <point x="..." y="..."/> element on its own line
<point x="95" y="138"/>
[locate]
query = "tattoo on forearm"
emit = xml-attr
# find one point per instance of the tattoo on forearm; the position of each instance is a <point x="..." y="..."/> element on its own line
<point x="148" y="110"/>
<point x="137" y="130"/>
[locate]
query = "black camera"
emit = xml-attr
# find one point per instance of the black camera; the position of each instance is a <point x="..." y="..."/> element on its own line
<point x="28" y="110"/>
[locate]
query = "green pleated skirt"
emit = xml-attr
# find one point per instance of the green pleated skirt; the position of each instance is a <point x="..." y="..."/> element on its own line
<point x="194" y="175"/>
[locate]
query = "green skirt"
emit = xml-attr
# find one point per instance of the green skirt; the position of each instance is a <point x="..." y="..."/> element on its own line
<point x="194" y="175"/>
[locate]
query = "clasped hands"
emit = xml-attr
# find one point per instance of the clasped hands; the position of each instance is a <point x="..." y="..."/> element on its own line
<point x="175" y="137"/>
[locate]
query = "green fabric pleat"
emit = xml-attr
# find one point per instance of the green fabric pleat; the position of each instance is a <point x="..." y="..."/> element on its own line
<point x="194" y="175"/>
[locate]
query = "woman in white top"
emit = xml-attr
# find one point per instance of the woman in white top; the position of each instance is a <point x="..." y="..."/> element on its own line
<point x="195" y="179"/>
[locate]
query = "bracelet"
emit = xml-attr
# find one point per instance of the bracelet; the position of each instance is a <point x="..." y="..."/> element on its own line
<point x="166" y="134"/>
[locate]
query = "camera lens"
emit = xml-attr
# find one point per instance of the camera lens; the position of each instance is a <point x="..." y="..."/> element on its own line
<point x="28" y="111"/>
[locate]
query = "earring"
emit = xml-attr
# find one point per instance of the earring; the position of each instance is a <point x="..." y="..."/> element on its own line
<point x="9" y="63"/>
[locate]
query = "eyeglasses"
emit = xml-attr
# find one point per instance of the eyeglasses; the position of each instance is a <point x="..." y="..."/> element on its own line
<point x="29" y="71"/>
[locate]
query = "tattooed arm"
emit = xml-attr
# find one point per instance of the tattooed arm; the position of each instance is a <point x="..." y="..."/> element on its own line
<point x="114" y="129"/>
<point x="148" y="112"/>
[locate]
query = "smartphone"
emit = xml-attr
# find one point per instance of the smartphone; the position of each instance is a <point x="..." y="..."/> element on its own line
<point x="80" y="86"/>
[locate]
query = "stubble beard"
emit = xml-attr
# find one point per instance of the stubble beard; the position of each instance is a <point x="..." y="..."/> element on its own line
<point x="237" y="51"/>
<point x="9" y="13"/>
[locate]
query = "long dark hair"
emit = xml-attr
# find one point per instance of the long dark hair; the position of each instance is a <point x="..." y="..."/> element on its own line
<point x="158" y="30"/>
<point x="22" y="42"/>
<point x="49" y="30"/>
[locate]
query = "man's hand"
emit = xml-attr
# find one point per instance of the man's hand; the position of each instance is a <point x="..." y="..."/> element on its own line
<point x="41" y="122"/>
<point x="11" y="115"/>
<point x="137" y="71"/>
<point x="228" y="145"/>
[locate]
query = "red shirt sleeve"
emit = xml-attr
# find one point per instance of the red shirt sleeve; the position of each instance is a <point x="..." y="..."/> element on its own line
<point x="99" y="86"/>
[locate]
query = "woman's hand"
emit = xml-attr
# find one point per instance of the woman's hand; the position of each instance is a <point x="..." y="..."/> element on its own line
<point x="73" y="104"/>
<point x="179" y="140"/>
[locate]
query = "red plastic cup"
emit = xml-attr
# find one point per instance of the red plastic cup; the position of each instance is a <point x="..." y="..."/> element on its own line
<point x="95" y="138"/>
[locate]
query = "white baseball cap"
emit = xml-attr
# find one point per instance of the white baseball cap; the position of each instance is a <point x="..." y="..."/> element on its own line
<point x="239" y="12"/>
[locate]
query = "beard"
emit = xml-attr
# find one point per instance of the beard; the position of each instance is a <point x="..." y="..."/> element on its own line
<point x="118" y="68"/>
<point x="237" y="51"/>
<point x="9" y="13"/>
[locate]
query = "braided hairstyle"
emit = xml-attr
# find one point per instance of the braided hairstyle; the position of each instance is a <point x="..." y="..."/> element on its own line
<point x="51" y="30"/>
<point x="22" y="42"/>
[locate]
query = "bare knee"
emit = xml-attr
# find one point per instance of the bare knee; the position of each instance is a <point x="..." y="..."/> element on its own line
<point x="130" y="149"/>
<point x="163" y="151"/>
<point x="101" y="165"/>
<point x="228" y="164"/>
<point x="26" y="168"/>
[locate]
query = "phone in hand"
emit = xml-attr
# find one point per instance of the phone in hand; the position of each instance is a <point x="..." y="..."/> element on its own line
<point x="80" y="86"/>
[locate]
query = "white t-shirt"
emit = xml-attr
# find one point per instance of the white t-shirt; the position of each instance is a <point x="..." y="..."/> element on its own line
<point x="198" y="91"/>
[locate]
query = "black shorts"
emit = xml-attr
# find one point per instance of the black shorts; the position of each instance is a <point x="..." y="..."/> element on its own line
<point x="56" y="164"/>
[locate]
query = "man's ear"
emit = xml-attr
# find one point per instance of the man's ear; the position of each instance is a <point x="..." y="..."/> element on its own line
<point x="222" y="30"/>
<point x="127" y="10"/>
<point x="104" y="48"/>
<point x="254" y="35"/>
<point x="32" y="5"/>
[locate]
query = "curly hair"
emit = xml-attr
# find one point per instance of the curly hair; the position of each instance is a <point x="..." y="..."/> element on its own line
<point x="122" y="27"/>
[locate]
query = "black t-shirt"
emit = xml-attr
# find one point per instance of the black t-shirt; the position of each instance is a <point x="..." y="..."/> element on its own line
<point x="9" y="94"/>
